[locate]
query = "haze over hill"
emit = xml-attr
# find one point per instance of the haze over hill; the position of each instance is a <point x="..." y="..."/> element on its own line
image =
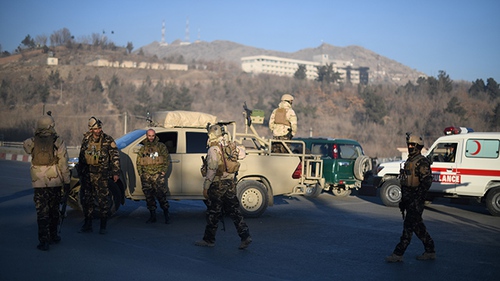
<point x="382" y="69"/>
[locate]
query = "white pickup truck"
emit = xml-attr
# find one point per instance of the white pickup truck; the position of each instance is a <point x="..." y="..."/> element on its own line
<point x="464" y="164"/>
<point x="262" y="174"/>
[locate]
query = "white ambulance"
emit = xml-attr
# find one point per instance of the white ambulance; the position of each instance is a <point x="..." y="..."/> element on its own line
<point x="464" y="164"/>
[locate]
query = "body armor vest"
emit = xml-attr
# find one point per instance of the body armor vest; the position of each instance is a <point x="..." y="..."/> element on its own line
<point x="410" y="177"/>
<point x="93" y="152"/>
<point x="150" y="156"/>
<point x="43" y="150"/>
<point x="280" y="117"/>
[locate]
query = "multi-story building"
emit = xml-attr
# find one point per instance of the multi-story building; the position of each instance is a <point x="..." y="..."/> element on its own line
<point x="288" y="67"/>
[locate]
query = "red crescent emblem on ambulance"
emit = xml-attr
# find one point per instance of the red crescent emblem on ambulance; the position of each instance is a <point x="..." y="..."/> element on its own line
<point x="478" y="148"/>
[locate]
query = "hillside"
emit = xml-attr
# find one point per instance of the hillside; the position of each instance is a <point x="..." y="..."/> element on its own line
<point x="377" y="115"/>
<point x="382" y="69"/>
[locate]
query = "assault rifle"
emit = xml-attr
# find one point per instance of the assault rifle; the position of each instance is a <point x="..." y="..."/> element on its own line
<point x="64" y="204"/>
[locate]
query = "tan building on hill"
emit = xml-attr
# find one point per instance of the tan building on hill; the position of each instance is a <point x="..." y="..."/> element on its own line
<point x="287" y="67"/>
<point x="143" y="65"/>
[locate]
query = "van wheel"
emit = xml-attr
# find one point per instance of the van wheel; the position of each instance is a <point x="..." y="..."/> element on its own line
<point x="253" y="198"/>
<point x="493" y="201"/>
<point x="390" y="193"/>
<point x="362" y="165"/>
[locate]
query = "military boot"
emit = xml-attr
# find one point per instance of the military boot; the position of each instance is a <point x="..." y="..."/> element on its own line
<point x="394" y="258"/>
<point x="167" y="216"/>
<point x="87" y="226"/>
<point x="43" y="246"/>
<point x="426" y="256"/>
<point x="102" y="229"/>
<point x="152" y="216"/>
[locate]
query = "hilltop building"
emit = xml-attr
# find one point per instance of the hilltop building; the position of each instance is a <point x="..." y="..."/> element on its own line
<point x="288" y="67"/>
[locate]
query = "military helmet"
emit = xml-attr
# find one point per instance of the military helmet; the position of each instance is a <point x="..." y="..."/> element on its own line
<point x="45" y="122"/>
<point x="415" y="139"/>
<point x="94" y="123"/>
<point x="287" y="97"/>
<point x="215" y="131"/>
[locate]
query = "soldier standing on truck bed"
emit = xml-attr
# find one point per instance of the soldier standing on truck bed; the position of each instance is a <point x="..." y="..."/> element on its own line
<point x="219" y="187"/>
<point x="97" y="163"/>
<point x="49" y="173"/>
<point x="283" y="123"/>
<point x="152" y="165"/>
<point x="416" y="179"/>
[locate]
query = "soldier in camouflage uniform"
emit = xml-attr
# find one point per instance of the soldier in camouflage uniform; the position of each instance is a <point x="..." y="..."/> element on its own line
<point x="416" y="179"/>
<point x="219" y="188"/>
<point x="283" y="123"/>
<point x="152" y="165"/>
<point x="97" y="163"/>
<point x="49" y="173"/>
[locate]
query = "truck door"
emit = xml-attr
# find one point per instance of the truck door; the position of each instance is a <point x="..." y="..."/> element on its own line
<point x="196" y="147"/>
<point x="174" y="173"/>
<point x="444" y="167"/>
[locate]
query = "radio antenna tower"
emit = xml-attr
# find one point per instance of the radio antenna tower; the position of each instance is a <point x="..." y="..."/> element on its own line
<point x="187" y="30"/>
<point x="163" y="33"/>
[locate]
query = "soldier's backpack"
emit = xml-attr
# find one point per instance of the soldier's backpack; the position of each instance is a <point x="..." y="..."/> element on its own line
<point x="44" y="150"/>
<point x="230" y="157"/>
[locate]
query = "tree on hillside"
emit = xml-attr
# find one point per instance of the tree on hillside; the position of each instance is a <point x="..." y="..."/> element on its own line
<point x="41" y="40"/>
<point x="477" y="87"/>
<point x="130" y="47"/>
<point x="60" y="37"/>
<point x="326" y="74"/>
<point x="495" y="121"/>
<point x="492" y="88"/>
<point x="301" y="72"/>
<point x="97" y="85"/>
<point x="28" y="42"/>
<point x="444" y="82"/>
<point x="455" y="107"/>
<point x="375" y="109"/>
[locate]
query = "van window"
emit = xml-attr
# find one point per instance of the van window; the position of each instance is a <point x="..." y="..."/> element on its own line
<point x="480" y="148"/>
<point x="349" y="151"/>
<point x="170" y="140"/>
<point x="444" y="152"/>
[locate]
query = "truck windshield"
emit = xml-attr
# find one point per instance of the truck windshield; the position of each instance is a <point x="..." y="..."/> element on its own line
<point x="128" y="138"/>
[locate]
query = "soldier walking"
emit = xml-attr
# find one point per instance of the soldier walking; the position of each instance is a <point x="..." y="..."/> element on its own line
<point x="49" y="173"/>
<point x="98" y="162"/>
<point x="416" y="179"/>
<point x="219" y="188"/>
<point x="152" y="166"/>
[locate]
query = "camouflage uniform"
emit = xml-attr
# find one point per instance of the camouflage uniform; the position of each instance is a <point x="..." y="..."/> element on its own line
<point x="95" y="177"/>
<point x="47" y="181"/>
<point x="221" y="190"/>
<point x="414" y="187"/>
<point x="283" y="123"/>
<point x="152" y="165"/>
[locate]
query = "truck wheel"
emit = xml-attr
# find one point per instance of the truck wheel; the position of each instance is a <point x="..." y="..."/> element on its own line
<point x="340" y="192"/>
<point x="493" y="201"/>
<point x="313" y="191"/>
<point x="390" y="193"/>
<point x="362" y="165"/>
<point x="253" y="198"/>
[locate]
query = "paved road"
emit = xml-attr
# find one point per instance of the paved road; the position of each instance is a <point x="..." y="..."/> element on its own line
<point x="326" y="238"/>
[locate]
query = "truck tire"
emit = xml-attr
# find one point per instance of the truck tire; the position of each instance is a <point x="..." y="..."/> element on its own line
<point x="390" y="192"/>
<point x="341" y="192"/>
<point x="313" y="191"/>
<point x="362" y="165"/>
<point x="493" y="201"/>
<point x="253" y="198"/>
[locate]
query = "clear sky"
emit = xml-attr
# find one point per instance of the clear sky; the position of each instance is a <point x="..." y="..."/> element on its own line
<point x="458" y="36"/>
